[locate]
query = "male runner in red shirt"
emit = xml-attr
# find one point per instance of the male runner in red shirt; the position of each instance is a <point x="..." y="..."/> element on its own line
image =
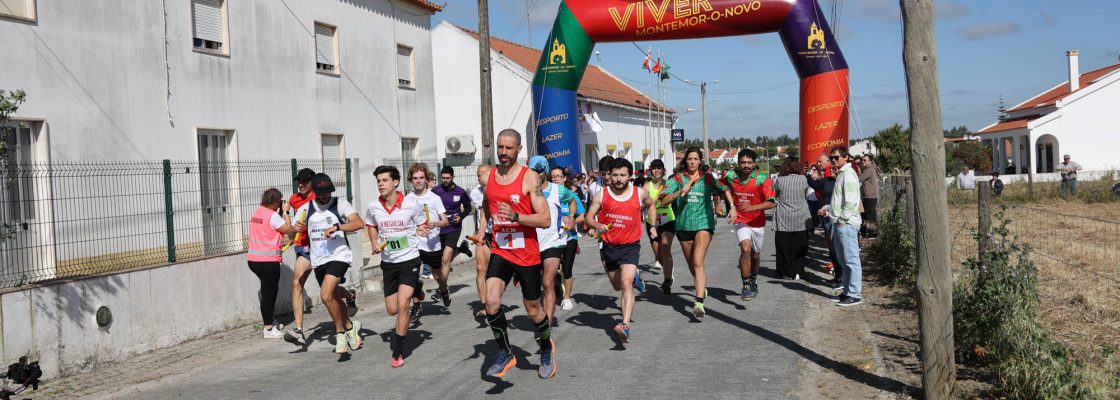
<point x="753" y="193"/>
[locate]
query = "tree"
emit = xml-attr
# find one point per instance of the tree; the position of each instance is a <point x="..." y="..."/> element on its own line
<point x="957" y="132"/>
<point x="894" y="148"/>
<point x="9" y="103"/>
<point x="974" y="155"/>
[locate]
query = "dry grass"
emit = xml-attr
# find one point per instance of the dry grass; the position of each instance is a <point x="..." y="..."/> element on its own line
<point x="1076" y="251"/>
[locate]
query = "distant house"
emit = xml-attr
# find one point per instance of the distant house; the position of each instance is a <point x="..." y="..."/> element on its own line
<point x="1074" y="117"/>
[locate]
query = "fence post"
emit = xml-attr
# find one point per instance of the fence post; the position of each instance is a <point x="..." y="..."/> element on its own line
<point x="349" y="183"/>
<point x="295" y="186"/>
<point x="169" y="210"/>
<point x="910" y="201"/>
<point x="984" y="224"/>
<point x="1030" y="186"/>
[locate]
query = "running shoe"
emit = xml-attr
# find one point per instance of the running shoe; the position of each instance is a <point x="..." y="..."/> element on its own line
<point x="352" y="303"/>
<point x="465" y="249"/>
<point x="502" y="363"/>
<point x="623" y="332"/>
<point x="837" y="299"/>
<point x="437" y="296"/>
<point x="698" y="309"/>
<point x="548" y="361"/>
<point x="657" y="266"/>
<point x="414" y="313"/>
<point x="353" y="336"/>
<point x="446" y="297"/>
<point x="426" y="273"/>
<point x="341" y="343"/>
<point x="849" y="301"/>
<point x="397" y="362"/>
<point x="567" y="305"/>
<point x="639" y="284"/>
<point x="667" y="286"/>
<point x="480" y="313"/>
<point x="750" y="291"/>
<point x="828" y="267"/>
<point x="295" y="336"/>
<point x="272" y="333"/>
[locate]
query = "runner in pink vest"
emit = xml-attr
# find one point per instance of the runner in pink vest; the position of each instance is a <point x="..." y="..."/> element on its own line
<point x="266" y="234"/>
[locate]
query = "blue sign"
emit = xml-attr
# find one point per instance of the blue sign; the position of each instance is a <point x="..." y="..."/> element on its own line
<point x="557" y="126"/>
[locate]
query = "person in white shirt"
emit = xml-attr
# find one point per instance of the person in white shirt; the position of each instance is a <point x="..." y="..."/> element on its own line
<point x="328" y="220"/>
<point x="430" y="208"/>
<point x="396" y="227"/>
<point x="966" y="180"/>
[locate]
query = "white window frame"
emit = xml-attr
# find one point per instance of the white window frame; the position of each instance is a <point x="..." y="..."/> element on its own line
<point x="409" y="83"/>
<point x="200" y="47"/>
<point x="336" y="68"/>
<point x="30" y="8"/>
<point x="409" y="156"/>
<point x="341" y="147"/>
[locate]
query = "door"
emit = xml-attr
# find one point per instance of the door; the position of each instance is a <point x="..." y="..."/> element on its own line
<point x="219" y="222"/>
<point x="25" y="231"/>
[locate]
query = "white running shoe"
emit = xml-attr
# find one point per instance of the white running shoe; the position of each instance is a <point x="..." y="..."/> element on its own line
<point x="272" y="333"/>
<point x="657" y="266"/>
<point x="567" y="305"/>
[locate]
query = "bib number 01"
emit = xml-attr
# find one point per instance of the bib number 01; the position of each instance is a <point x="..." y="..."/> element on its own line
<point x="396" y="243"/>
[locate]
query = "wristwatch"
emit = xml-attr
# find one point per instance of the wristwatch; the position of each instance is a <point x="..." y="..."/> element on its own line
<point x="516" y="217"/>
<point x="337" y="226"/>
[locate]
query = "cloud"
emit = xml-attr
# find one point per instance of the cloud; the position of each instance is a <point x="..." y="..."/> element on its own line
<point x="950" y="10"/>
<point x="1047" y="19"/>
<point x="983" y="30"/>
<point x="888" y="11"/>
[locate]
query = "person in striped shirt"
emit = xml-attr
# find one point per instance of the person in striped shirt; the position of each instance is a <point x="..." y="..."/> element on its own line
<point x="843" y="211"/>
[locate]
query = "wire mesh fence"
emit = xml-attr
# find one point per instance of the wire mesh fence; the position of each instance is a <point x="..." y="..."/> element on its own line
<point x="65" y="220"/>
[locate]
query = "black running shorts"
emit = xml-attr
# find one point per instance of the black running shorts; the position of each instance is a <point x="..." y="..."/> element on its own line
<point x="450" y="239"/>
<point x="688" y="236"/>
<point x="333" y="268"/>
<point x="393" y="275"/>
<point x="434" y="259"/>
<point x="555" y="252"/>
<point x="530" y="277"/>
<point x="616" y="255"/>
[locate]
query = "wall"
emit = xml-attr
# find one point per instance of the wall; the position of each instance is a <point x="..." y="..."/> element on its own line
<point x="1085" y="129"/>
<point x="625" y="124"/>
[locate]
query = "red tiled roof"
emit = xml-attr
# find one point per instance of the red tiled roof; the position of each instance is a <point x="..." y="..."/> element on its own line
<point x="1009" y="124"/>
<point x="597" y="83"/>
<point x="427" y="5"/>
<point x="715" y="153"/>
<point x="1052" y="96"/>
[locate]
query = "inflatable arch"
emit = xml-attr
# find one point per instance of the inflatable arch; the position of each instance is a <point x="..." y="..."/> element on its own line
<point x="582" y="23"/>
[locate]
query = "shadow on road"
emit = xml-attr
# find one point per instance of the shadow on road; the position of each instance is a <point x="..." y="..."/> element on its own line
<point x="413" y="341"/>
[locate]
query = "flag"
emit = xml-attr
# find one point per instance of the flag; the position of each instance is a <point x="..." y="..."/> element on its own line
<point x="645" y="63"/>
<point x="665" y="71"/>
<point x="657" y="67"/>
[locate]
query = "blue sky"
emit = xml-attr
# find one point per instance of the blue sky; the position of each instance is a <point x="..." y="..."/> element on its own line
<point x="1013" y="48"/>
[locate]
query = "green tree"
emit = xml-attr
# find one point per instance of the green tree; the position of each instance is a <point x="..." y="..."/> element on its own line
<point x="956" y="132"/>
<point x="894" y="148"/>
<point x="974" y="155"/>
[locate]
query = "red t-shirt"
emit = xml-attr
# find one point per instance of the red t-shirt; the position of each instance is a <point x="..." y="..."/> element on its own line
<point x="513" y="241"/>
<point x="298" y="201"/>
<point x="623" y="215"/>
<point x="755" y="189"/>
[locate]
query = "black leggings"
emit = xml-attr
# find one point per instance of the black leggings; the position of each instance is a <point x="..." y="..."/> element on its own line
<point x="569" y="259"/>
<point x="269" y="274"/>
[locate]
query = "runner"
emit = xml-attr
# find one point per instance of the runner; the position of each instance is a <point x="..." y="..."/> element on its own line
<point x="753" y="192"/>
<point x="482" y="238"/>
<point x="552" y="240"/>
<point x="666" y="226"/>
<point x="691" y="192"/>
<point x="396" y="226"/>
<point x="560" y="176"/>
<point x="516" y="207"/>
<point x="430" y="208"/>
<point x="266" y="231"/>
<point x="621" y="227"/>
<point x="327" y="221"/>
<point x="302" y="268"/>
<point x="603" y="182"/>
<point x="457" y="204"/>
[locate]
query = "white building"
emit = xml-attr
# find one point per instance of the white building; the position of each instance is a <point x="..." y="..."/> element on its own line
<point x="615" y="117"/>
<point x="1074" y="117"/>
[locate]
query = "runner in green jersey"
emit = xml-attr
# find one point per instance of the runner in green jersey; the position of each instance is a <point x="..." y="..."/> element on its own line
<point x="691" y="193"/>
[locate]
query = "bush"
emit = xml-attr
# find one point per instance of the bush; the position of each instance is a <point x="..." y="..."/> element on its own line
<point x="995" y="317"/>
<point x="893" y="253"/>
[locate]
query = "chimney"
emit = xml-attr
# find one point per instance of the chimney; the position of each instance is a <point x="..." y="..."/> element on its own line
<point x="1074" y="73"/>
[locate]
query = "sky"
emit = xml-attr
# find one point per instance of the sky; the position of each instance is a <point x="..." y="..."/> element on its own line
<point x="986" y="49"/>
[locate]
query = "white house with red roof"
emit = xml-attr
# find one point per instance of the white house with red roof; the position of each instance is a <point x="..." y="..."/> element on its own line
<point x="615" y="118"/>
<point x="1076" y="117"/>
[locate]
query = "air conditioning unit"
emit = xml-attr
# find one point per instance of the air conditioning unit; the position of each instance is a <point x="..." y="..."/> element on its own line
<point x="462" y="144"/>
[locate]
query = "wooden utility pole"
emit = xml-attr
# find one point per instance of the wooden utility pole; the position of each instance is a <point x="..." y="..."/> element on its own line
<point x="927" y="152"/>
<point x="485" y="85"/>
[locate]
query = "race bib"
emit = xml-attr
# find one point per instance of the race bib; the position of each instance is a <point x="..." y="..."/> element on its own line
<point x="455" y="198"/>
<point x="510" y="240"/>
<point x="396" y="244"/>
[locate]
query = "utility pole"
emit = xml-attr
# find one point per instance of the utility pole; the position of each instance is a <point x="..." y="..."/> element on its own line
<point x="485" y="85"/>
<point x="927" y="154"/>
<point x="704" y="116"/>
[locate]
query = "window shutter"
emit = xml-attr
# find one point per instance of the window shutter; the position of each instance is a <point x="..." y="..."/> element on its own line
<point x="404" y="65"/>
<point x="208" y="20"/>
<point x="332" y="147"/>
<point x="324" y="44"/>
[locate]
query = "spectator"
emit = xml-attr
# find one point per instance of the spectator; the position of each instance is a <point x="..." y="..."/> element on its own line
<point x="843" y="211"/>
<point x="791" y="219"/>
<point x="822" y="180"/>
<point x="1069" y="176"/>
<point x="996" y="184"/>
<point x="966" y="180"/>
<point x="869" y="193"/>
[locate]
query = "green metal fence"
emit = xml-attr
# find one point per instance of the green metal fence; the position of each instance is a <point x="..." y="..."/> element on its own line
<point x="65" y="220"/>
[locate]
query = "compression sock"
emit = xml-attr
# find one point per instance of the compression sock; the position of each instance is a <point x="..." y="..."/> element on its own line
<point x="499" y="326"/>
<point x="397" y="345"/>
<point x="544" y="333"/>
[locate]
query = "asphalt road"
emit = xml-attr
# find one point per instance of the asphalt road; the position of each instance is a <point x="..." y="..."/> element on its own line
<point x="741" y="350"/>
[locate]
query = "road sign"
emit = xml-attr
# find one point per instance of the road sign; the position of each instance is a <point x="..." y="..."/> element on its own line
<point x="678" y="135"/>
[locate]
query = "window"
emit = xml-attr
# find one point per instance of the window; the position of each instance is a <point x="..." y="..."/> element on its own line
<point x="408" y="151"/>
<point x="209" y="25"/>
<point x="20" y="193"/>
<point x="24" y="9"/>
<point x="216" y="188"/>
<point x="404" y="66"/>
<point x="331" y="151"/>
<point x="326" y="46"/>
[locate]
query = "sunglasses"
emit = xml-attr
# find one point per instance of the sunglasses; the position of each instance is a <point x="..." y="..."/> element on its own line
<point x="835" y="158"/>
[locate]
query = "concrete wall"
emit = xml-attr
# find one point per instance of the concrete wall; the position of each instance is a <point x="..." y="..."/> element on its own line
<point x="621" y="125"/>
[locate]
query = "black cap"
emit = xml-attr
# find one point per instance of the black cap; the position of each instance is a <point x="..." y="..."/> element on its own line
<point x="304" y="175"/>
<point x="322" y="183"/>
